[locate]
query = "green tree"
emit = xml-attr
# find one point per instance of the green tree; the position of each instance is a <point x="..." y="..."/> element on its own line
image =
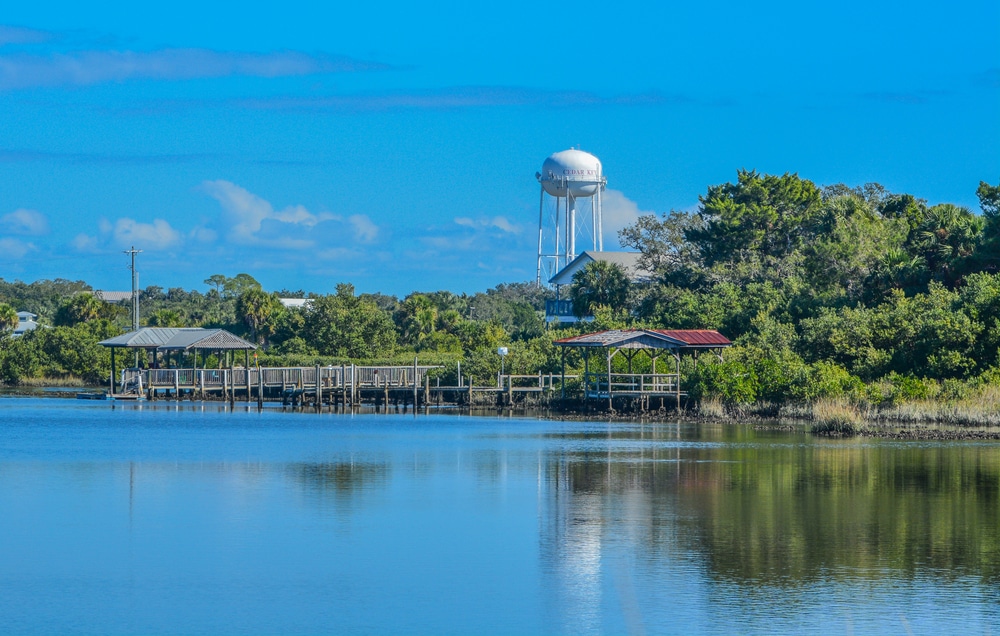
<point x="599" y="283"/>
<point x="237" y="285"/>
<point x="165" y="318"/>
<point x="347" y="326"/>
<point x="258" y="310"/>
<point x="988" y="252"/>
<point x="760" y="217"/>
<point x="8" y="318"/>
<point x="416" y="319"/>
<point x="80" y="308"/>
<point x="666" y="251"/>
<point x="218" y="281"/>
<point x="945" y="238"/>
<point x="843" y="257"/>
<point x="989" y="199"/>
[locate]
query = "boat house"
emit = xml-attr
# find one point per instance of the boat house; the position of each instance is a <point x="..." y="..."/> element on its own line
<point x="607" y="384"/>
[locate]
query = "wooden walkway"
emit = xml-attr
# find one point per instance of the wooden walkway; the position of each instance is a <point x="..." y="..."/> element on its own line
<point x="345" y="385"/>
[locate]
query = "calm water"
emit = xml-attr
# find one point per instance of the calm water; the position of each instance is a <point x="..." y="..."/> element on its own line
<point x="192" y="519"/>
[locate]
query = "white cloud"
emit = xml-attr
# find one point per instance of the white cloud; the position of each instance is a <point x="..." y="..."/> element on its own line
<point x="505" y="225"/>
<point x="498" y="222"/>
<point x="153" y="236"/>
<point x="251" y="220"/>
<point x="242" y="209"/>
<point x="619" y="212"/>
<point x="12" y="249"/>
<point x="203" y="235"/>
<point x="85" y="243"/>
<point x="25" y="222"/>
<point x="97" y="67"/>
<point x="364" y="229"/>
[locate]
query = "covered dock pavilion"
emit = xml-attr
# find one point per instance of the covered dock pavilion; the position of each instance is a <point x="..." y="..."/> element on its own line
<point x="606" y="384"/>
<point x="154" y="341"/>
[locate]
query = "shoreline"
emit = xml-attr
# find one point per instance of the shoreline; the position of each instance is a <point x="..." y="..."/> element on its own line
<point x="880" y="428"/>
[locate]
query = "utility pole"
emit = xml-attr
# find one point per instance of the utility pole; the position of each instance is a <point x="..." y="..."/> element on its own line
<point x="135" y="288"/>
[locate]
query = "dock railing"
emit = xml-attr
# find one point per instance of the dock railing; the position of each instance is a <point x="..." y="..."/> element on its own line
<point x="597" y="384"/>
<point x="330" y="377"/>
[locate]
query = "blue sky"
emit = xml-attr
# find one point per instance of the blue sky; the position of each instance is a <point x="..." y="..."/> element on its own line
<point x="394" y="145"/>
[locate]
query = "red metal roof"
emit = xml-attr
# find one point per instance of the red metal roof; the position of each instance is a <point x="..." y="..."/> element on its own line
<point x="659" y="338"/>
<point x="697" y="337"/>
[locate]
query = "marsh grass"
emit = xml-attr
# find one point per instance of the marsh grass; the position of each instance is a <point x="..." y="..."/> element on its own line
<point x="712" y="407"/>
<point x="836" y="417"/>
<point x="980" y="408"/>
<point x="51" y="382"/>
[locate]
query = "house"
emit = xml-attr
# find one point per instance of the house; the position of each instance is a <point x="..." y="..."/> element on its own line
<point x="562" y="309"/>
<point x="25" y="323"/>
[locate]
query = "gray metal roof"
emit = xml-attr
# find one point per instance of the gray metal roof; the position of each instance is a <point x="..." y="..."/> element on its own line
<point x="112" y="296"/>
<point x="178" y="338"/>
<point x="629" y="261"/>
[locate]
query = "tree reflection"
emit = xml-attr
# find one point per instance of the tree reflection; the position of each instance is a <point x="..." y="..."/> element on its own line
<point x="341" y="479"/>
<point x="789" y="513"/>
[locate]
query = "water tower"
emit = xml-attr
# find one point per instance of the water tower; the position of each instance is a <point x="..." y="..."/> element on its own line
<point x="568" y="177"/>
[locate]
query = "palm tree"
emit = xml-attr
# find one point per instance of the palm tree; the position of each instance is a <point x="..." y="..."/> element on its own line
<point x="80" y="308"/>
<point x="258" y="309"/>
<point x="8" y="318"/>
<point x="599" y="283"/>
<point x="165" y="318"/>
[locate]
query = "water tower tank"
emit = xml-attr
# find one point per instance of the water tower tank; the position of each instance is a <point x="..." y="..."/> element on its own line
<point x="572" y="171"/>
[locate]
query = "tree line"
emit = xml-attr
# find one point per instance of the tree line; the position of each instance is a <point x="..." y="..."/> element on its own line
<point x="825" y="291"/>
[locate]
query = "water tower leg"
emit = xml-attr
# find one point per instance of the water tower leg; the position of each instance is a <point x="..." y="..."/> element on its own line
<point x="570" y="228"/>
<point x="541" y="206"/>
<point x="600" y="221"/>
<point x="593" y="219"/>
<point x="557" y="267"/>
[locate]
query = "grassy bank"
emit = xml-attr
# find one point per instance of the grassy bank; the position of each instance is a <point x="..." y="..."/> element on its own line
<point x="975" y="414"/>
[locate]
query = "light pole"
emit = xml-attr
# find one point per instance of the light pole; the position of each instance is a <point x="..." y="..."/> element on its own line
<point x="502" y="352"/>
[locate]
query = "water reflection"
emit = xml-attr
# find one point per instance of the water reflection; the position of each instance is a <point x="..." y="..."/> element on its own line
<point x="787" y="514"/>
<point x="282" y="522"/>
<point x="340" y="479"/>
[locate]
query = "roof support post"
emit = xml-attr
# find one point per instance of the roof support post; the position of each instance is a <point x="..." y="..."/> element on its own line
<point x="562" y="380"/>
<point x="112" y="382"/>
<point x="677" y="385"/>
<point x="611" y="406"/>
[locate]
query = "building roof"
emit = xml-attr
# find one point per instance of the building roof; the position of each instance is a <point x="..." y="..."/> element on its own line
<point x="25" y="323"/>
<point x="649" y="339"/>
<point x="296" y="303"/>
<point x="629" y="261"/>
<point x="112" y="296"/>
<point x="178" y="339"/>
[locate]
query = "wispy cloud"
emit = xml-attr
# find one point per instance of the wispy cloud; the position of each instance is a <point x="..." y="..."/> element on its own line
<point x="12" y="249"/>
<point x="460" y="98"/>
<point x="82" y="68"/>
<point x="12" y="155"/>
<point x="498" y="222"/>
<point x="21" y="35"/>
<point x="25" y="222"/>
<point x="85" y="243"/>
<point x="364" y="229"/>
<point x="907" y="97"/>
<point x="249" y="219"/>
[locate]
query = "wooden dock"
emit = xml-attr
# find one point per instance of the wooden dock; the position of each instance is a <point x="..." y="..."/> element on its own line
<point x="344" y="385"/>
